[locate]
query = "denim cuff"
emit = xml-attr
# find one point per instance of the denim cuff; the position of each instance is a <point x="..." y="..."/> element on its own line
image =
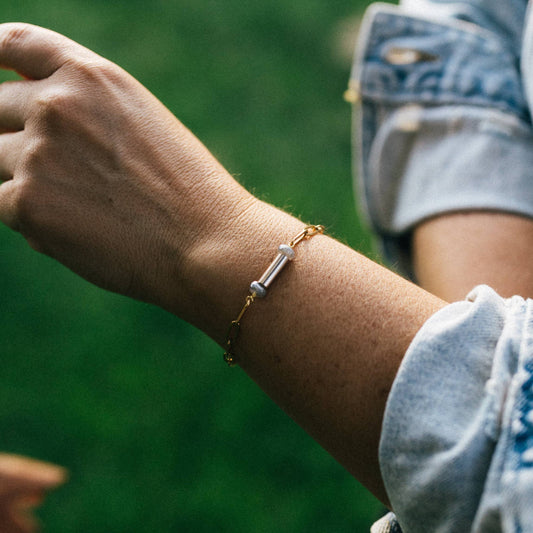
<point x="456" y="450"/>
<point x="442" y="124"/>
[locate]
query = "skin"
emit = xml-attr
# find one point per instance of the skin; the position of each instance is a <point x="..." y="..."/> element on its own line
<point x="455" y="252"/>
<point x="23" y="483"/>
<point x="98" y="174"/>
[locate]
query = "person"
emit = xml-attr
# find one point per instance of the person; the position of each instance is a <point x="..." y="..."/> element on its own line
<point x="23" y="483"/>
<point x="99" y="175"/>
<point x="445" y="156"/>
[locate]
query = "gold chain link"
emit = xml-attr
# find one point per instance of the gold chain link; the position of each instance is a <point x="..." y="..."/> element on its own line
<point x="235" y="326"/>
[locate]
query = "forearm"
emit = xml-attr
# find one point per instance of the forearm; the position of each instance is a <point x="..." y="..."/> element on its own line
<point x="328" y="338"/>
<point x="455" y="252"/>
<point x="459" y="249"/>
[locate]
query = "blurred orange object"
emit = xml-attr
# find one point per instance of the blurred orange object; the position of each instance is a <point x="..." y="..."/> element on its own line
<point x="23" y="484"/>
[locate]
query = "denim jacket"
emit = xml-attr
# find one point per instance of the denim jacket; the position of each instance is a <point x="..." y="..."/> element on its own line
<point x="442" y="123"/>
<point x="442" y="113"/>
<point x="456" y="452"/>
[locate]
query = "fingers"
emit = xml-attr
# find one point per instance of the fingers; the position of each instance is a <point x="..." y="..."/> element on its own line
<point x="34" y="52"/>
<point x="8" y="204"/>
<point x="14" y="104"/>
<point x="20" y="474"/>
<point x="10" y="148"/>
<point x="23" y="483"/>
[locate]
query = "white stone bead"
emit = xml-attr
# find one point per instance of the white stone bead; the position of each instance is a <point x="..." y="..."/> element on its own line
<point x="287" y="251"/>
<point x="258" y="288"/>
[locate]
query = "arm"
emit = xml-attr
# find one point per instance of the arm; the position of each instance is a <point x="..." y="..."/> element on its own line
<point x="446" y="170"/>
<point x="98" y="174"/>
<point x="457" y="251"/>
<point x="446" y="142"/>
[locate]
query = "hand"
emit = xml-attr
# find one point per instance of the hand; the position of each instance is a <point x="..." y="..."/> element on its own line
<point x="23" y="483"/>
<point x="98" y="174"/>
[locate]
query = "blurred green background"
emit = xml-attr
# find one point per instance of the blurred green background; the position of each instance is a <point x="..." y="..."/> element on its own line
<point x="157" y="433"/>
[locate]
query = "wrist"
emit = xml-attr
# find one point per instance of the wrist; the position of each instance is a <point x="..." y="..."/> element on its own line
<point x="222" y="263"/>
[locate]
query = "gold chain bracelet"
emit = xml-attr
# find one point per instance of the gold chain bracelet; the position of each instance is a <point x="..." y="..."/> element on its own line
<point x="258" y="289"/>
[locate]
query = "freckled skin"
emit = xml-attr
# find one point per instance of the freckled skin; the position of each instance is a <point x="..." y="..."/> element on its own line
<point x="98" y="174"/>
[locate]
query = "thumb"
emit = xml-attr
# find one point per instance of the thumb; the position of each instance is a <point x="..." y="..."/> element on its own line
<point x="34" y="52"/>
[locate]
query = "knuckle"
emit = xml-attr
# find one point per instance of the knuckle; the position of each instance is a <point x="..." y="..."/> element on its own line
<point x="90" y="80"/>
<point x="14" y="35"/>
<point x="54" y="102"/>
<point x="23" y="205"/>
<point x="91" y="68"/>
<point x="32" y="212"/>
<point x="34" y="156"/>
<point x="106" y="77"/>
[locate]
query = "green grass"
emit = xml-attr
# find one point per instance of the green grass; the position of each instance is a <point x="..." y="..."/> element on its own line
<point x="157" y="433"/>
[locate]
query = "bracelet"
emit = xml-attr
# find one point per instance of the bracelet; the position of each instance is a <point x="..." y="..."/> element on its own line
<point x="258" y="289"/>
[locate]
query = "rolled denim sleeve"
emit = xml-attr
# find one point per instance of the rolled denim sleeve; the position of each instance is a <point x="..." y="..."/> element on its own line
<point x="442" y="123"/>
<point x="456" y="451"/>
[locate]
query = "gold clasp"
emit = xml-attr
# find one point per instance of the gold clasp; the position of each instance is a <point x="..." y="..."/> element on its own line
<point x="306" y="233"/>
